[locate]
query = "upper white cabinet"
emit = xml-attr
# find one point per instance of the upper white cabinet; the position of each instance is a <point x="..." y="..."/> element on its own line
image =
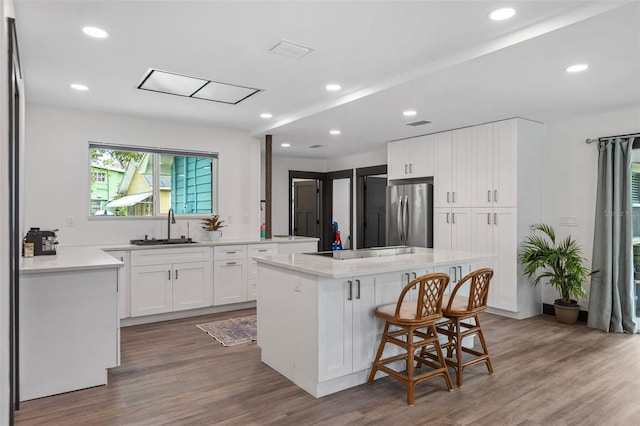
<point x="411" y="158"/>
<point x="495" y="167"/>
<point x="452" y="184"/>
<point x="170" y="279"/>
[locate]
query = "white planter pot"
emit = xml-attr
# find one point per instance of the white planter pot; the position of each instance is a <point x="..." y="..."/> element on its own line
<point x="214" y="235"/>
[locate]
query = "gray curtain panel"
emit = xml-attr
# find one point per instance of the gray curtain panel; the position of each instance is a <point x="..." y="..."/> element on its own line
<point x="611" y="298"/>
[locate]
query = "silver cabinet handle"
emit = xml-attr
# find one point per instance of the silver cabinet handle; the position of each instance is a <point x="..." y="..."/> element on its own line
<point x="448" y="197"/>
<point x="410" y="168"/>
<point x="405" y="169"/>
<point x="231" y="263"/>
<point x="262" y="250"/>
<point x="447" y="217"/>
<point x="488" y="218"/>
<point x="406" y="274"/>
<point x="231" y="252"/>
<point x="495" y="218"/>
<point x="495" y="195"/>
<point x="488" y="195"/>
<point x="176" y="274"/>
<point x="453" y="197"/>
<point x="169" y="275"/>
<point x="414" y="275"/>
<point x="460" y="269"/>
<point x="453" y="218"/>
<point x="358" y="284"/>
<point x="350" y="290"/>
<point x="455" y="275"/>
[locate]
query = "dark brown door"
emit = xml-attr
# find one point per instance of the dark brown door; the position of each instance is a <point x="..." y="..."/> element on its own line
<point x="306" y="221"/>
<point x="374" y="211"/>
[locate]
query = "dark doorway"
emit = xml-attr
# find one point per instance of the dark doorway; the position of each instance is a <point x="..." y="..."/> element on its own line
<point x="306" y="221"/>
<point x="371" y="194"/>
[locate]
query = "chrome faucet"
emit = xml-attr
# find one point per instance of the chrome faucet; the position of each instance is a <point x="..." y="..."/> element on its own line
<point x="170" y="219"/>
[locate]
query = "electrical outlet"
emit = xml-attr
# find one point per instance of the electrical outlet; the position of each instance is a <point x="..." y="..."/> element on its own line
<point x="69" y="221"/>
<point x="568" y="221"/>
<point x="229" y="220"/>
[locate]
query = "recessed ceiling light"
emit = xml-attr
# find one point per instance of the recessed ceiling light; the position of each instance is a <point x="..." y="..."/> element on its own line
<point x="266" y="115"/>
<point x="409" y="113"/>
<point x="501" y="14"/>
<point x="577" y="68"/>
<point x="81" y="87"/>
<point x="95" y="32"/>
<point x="335" y="132"/>
<point x="333" y="87"/>
<point x="285" y="145"/>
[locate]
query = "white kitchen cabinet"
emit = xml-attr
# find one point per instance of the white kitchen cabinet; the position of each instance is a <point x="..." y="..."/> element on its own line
<point x="411" y="158"/>
<point x="229" y="274"/>
<point x="252" y="274"/>
<point x="124" y="305"/>
<point x="452" y="228"/>
<point x="170" y="279"/>
<point x="496" y="232"/>
<point x="452" y="183"/>
<point x="495" y="169"/>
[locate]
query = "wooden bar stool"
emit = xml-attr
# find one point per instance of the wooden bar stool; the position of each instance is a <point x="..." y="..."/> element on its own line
<point x="414" y="328"/>
<point x="458" y="308"/>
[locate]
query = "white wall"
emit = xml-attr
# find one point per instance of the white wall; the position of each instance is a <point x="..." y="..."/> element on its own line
<point x="368" y="159"/>
<point x="570" y="174"/>
<point x="57" y="174"/>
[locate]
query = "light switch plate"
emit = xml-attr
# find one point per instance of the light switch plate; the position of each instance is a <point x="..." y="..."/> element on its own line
<point x="69" y="221"/>
<point x="568" y="221"/>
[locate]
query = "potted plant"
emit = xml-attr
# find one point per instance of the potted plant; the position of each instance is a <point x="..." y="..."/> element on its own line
<point x="560" y="265"/>
<point x="212" y="225"/>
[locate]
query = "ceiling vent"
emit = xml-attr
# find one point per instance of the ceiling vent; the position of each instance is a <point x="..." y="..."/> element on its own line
<point x="418" y="123"/>
<point x="290" y="49"/>
<point x="316" y="146"/>
<point x="192" y="87"/>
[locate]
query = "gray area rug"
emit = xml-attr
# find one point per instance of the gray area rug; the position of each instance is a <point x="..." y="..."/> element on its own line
<point x="234" y="331"/>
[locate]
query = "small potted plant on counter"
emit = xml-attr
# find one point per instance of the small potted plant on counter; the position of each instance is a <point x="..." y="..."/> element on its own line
<point x="212" y="225"/>
<point x="560" y="265"/>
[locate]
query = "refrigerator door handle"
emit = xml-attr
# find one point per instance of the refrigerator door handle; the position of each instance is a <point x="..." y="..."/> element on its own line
<point x="399" y="219"/>
<point x="405" y="220"/>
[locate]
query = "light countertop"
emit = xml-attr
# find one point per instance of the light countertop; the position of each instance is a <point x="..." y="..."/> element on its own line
<point x="224" y="242"/>
<point x="69" y="259"/>
<point x="331" y="268"/>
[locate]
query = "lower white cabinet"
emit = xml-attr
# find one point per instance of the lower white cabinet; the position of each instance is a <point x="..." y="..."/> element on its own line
<point x="124" y="307"/>
<point x="167" y="280"/>
<point x="229" y="274"/>
<point x="252" y="275"/>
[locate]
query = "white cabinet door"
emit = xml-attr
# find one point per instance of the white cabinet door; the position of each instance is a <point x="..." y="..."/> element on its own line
<point x="505" y="164"/>
<point x="124" y="306"/>
<point x="335" y="329"/>
<point x="442" y="228"/>
<point x="420" y="156"/>
<point x="192" y="285"/>
<point x="230" y="281"/>
<point x="482" y="166"/>
<point x="397" y="160"/>
<point x="252" y="266"/>
<point x="151" y="290"/>
<point x="504" y="284"/>
<point x="442" y="170"/>
<point x="461" y="167"/>
<point x="365" y="324"/>
<point x="461" y="232"/>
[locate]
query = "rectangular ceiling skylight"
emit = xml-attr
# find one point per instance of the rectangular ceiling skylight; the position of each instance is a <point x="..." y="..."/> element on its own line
<point x="183" y="85"/>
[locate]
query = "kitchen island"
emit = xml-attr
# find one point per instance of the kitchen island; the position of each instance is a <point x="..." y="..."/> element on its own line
<point x="315" y="313"/>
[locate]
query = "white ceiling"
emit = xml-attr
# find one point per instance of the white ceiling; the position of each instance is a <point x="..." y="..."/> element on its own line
<point x="444" y="59"/>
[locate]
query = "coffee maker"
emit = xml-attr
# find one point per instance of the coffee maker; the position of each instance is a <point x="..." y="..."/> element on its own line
<point x="44" y="241"/>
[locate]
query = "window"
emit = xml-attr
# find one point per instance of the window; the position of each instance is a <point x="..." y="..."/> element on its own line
<point x="135" y="181"/>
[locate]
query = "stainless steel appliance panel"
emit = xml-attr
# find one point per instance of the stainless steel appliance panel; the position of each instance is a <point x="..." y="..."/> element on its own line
<point x="410" y="215"/>
<point x="394" y="236"/>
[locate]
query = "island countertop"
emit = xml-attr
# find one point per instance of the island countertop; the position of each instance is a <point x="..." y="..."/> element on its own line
<point x="328" y="267"/>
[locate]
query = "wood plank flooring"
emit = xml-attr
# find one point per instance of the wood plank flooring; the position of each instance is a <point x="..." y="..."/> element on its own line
<point x="546" y="373"/>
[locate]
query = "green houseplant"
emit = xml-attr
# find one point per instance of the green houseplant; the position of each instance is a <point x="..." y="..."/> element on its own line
<point x="212" y="225"/>
<point x="560" y="264"/>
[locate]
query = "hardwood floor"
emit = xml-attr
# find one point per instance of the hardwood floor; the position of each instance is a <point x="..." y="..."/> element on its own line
<point x="172" y="373"/>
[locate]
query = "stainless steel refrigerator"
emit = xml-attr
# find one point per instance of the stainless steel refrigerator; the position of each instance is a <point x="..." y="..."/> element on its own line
<point x="410" y="215"/>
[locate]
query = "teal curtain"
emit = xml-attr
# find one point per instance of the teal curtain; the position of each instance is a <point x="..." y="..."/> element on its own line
<point x="611" y="298"/>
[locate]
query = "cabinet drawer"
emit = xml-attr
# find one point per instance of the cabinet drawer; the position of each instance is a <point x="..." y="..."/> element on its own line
<point x="164" y="256"/>
<point x="262" y="250"/>
<point x="229" y="252"/>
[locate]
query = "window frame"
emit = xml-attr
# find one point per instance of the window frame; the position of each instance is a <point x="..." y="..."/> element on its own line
<point x="156" y="153"/>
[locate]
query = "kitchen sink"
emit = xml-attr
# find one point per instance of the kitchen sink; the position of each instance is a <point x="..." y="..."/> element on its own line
<point x="156" y="242"/>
